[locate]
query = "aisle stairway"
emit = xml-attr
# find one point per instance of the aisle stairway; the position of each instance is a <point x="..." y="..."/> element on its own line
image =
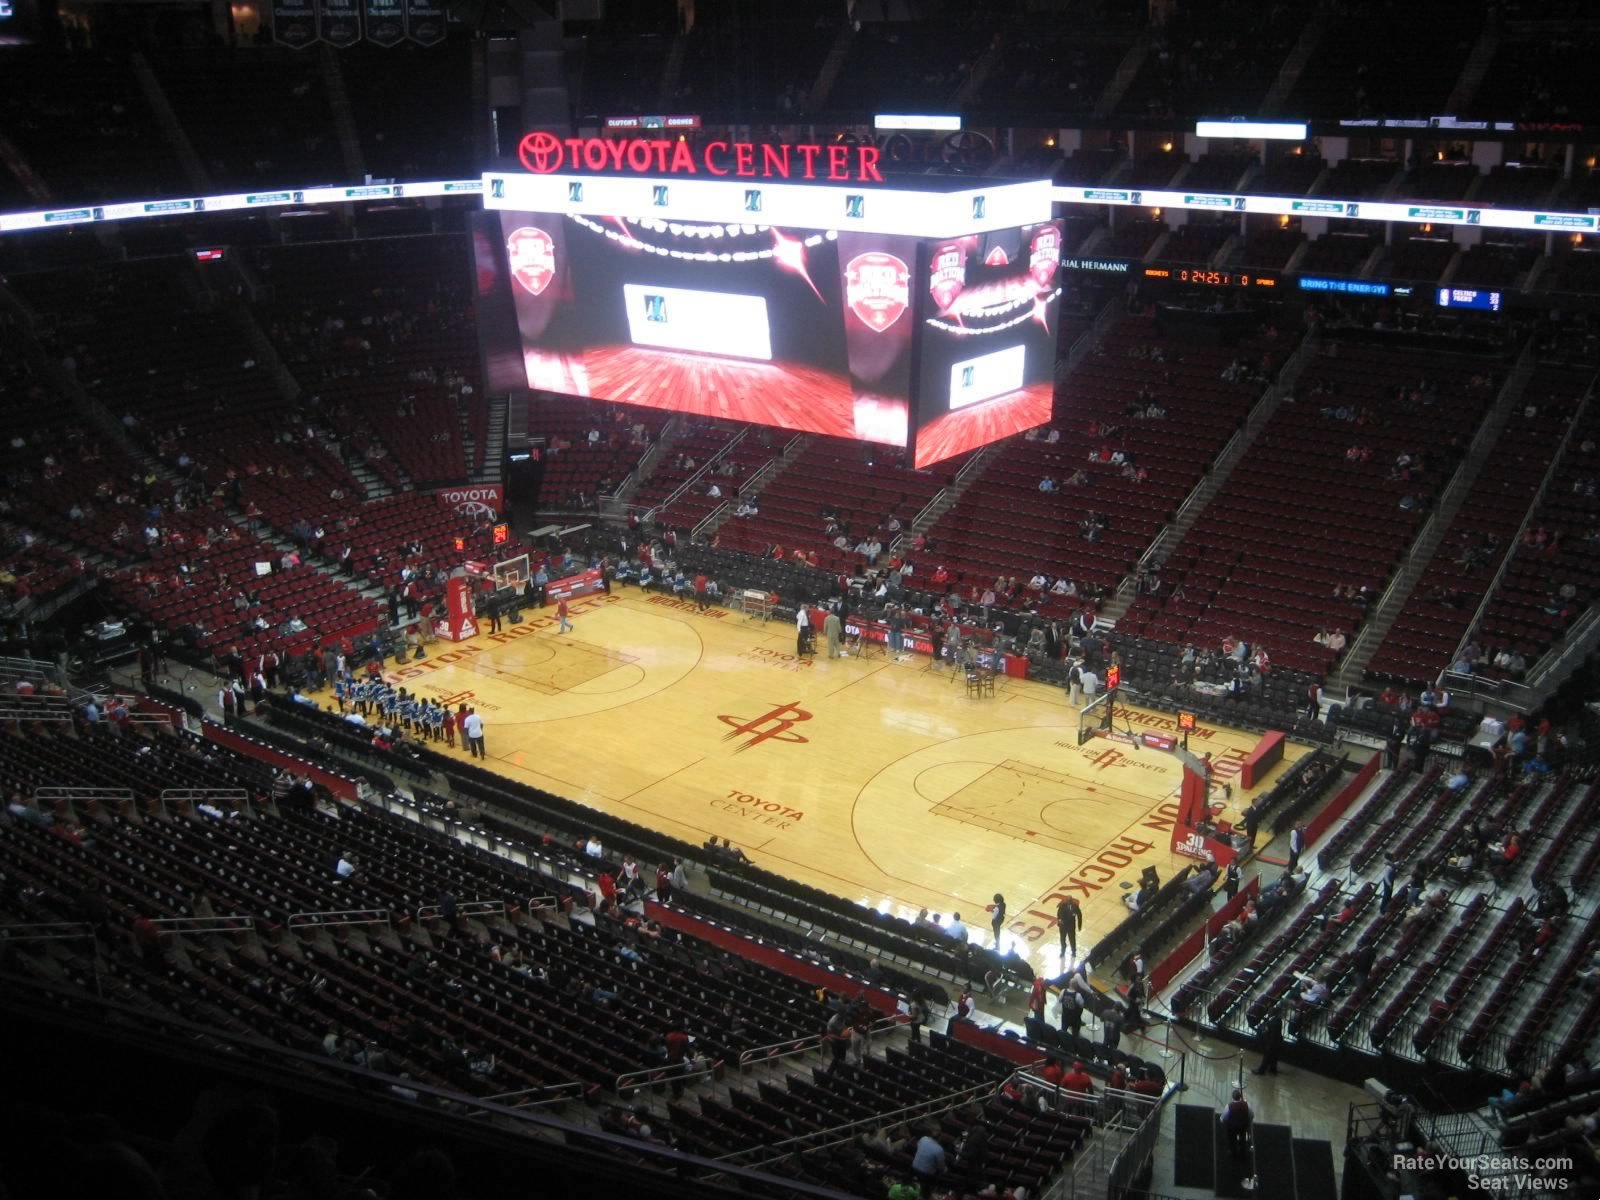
<point x="1278" y="1164"/>
<point x="1354" y="664"/>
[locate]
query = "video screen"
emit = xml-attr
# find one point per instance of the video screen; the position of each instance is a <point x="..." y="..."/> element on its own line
<point x="988" y="333"/>
<point x="940" y="346"/>
<point x="18" y="22"/>
<point x="804" y="329"/>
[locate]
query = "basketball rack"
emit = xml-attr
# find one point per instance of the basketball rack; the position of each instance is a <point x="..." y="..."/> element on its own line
<point x="755" y="603"/>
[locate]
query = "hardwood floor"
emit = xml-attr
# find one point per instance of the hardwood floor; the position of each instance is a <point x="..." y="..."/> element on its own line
<point x="880" y="781"/>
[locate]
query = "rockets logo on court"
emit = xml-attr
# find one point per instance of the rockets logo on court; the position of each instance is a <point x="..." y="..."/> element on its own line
<point x="1044" y="257"/>
<point x="776" y="725"/>
<point x="947" y="277"/>
<point x="877" y="289"/>
<point x="533" y="258"/>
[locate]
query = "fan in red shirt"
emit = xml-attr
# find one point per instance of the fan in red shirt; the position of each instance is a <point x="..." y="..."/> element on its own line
<point x="608" y="891"/>
<point x="1078" y="1080"/>
<point x="1036" y="998"/>
<point x="1053" y="1072"/>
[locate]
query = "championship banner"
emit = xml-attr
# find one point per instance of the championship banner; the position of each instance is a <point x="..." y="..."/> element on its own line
<point x="385" y="21"/>
<point x="294" y="22"/>
<point x="584" y="583"/>
<point x="425" y="22"/>
<point x="458" y="624"/>
<point x="475" y="500"/>
<point x="340" y="23"/>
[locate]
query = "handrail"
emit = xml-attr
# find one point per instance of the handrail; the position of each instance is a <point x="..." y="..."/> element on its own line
<point x="1527" y="519"/>
<point x="793" y="1046"/>
<point x="650" y="1077"/>
<point x="705" y="521"/>
<point x="94" y="795"/>
<point x="1105" y="1102"/>
<point x="556" y="1092"/>
<point x="464" y="908"/>
<point x="347" y="916"/>
<point x="59" y="931"/>
<point x="237" y="923"/>
<point x="280" y="1064"/>
<point x="1482" y="444"/>
<point x="13" y="668"/>
<point x="1291" y="370"/>
<point x="626" y="481"/>
<point x="923" y="511"/>
<point x="11" y="711"/>
<point x="46" y="931"/>
<point x="699" y="473"/>
<point x="773" y="1151"/>
<point x="238" y="797"/>
<point x="767" y="468"/>
<point x="1550" y="658"/>
<point x="1353" y="650"/>
<point x="972" y="466"/>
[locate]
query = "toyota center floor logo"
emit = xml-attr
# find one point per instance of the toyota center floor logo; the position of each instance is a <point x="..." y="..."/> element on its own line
<point x="541" y="152"/>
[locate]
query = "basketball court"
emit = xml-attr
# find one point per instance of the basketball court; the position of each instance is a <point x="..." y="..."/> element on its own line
<point x="883" y="782"/>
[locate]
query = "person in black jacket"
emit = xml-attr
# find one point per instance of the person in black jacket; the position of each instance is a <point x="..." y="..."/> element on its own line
<point x="1271" y="1040"/>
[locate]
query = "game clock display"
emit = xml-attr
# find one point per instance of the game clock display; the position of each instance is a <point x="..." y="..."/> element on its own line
<point x="1204" y="277"/>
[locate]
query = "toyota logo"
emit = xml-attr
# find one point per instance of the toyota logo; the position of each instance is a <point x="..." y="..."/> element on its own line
<point x="541" y="152"/>
<point x="476" y="508"/>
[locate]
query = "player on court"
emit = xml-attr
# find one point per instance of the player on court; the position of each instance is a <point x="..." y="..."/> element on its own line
<point x="561" y="614"/>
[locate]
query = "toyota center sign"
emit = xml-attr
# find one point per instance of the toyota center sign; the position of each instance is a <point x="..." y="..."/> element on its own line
<point x="545" y="154"/>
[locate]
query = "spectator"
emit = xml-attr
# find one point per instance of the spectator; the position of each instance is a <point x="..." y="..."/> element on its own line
<point x="1236" y="1122"/>
<point x="929" y="1160"/>
<point x="1078" y="1080"/>
<point x="472" y="727"/>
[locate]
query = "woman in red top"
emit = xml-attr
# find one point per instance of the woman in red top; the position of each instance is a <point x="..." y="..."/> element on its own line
<point x="561" y="615"/>
<point x="460" y="722"/>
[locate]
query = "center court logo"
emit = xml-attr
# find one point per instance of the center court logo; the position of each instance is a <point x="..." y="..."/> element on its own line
<point x="1106" y="758"/>
<point x="776" y="725"/>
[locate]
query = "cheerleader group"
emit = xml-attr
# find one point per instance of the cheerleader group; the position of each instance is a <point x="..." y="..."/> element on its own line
<point x="425" y="719"/>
